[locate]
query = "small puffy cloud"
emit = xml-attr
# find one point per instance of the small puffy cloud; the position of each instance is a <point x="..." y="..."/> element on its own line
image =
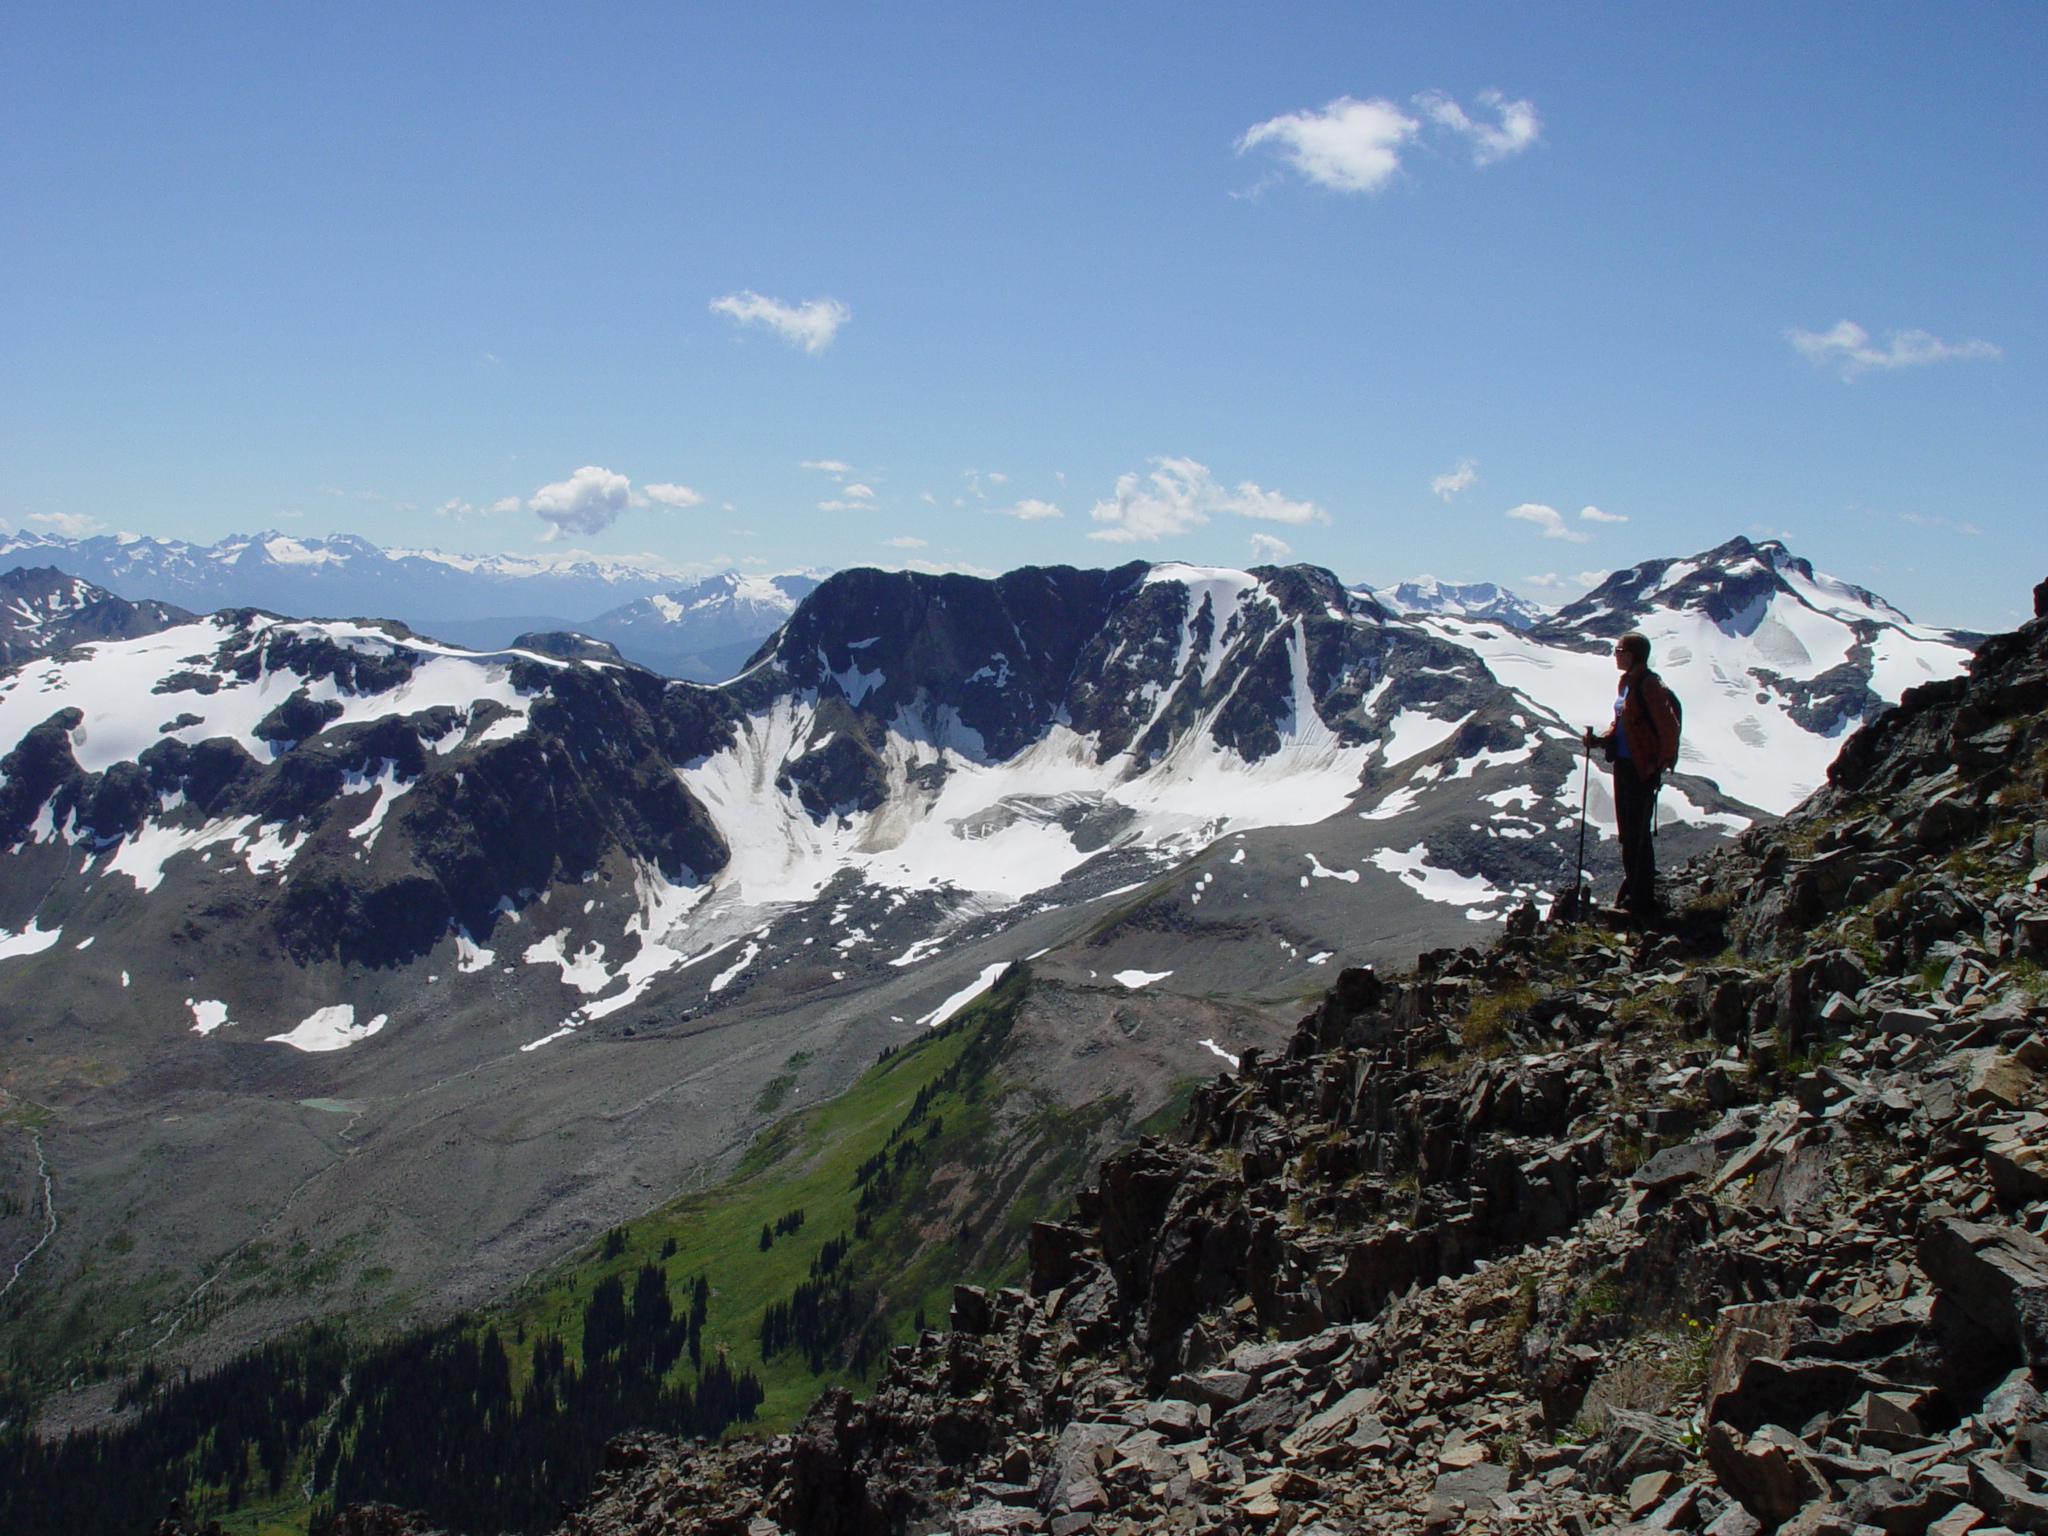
<point x="1517" y="129"/>
<point x="906" y="542"/>
<point x="589" y="501"/>
<point x="830" y="466"/>
<point x="1347" y="146"/>
<point x="1355" y="146"/>
<point x="1445" y="486"/>
<point x="863" y="492"/>
<point x="461" y="511"/>
<point x="73" y="525"/>
<point x="1548" y="520"/>
<point x="1849" y="349"/>
<point x="846" y="506"/>
<point x="1595" y="515"/>
<point x="1180" y="494"/>
<point x="672" y="495"/>
<point x="1551" y="580"/>
<point x="810" y="325"/>
<point x="1267" y="550"/>
<point x="1029" y="511"/>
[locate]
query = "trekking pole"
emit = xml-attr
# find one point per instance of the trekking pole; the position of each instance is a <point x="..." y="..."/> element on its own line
<point x="1579" y="869"/>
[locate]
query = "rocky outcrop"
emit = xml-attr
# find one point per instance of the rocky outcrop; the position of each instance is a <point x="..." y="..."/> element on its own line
<point x="1729" y="1226"/>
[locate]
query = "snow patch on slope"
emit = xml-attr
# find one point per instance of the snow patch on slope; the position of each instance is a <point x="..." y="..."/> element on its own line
<point x="329" y="1029"/>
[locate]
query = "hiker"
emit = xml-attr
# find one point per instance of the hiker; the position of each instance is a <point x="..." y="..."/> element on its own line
<point x="1641" y="744"/>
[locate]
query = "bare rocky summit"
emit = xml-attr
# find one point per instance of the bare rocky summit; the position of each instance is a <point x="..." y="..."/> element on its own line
<point x="1728" y="1227"/>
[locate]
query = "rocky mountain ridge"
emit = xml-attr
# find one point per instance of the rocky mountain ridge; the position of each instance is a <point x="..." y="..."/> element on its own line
<point x="290" y="906"/>
<point x="1735" y="1226"/>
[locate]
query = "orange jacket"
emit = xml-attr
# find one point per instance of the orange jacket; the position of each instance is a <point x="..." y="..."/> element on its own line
<point x="1651" y="720"/>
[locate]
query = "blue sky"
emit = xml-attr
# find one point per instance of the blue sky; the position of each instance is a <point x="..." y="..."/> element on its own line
<point x="382" y="269"/>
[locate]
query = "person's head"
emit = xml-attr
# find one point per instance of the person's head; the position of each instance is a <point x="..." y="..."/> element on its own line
<point x="1632" y="650"/>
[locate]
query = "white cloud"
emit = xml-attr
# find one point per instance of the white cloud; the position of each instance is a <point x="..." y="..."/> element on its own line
<point x="462" y="511"/>
<point x="830" y="466"/>
<point x="846" y="506"/>
<point x="73" y="525"/>
<point x="998" y="477"/>
<point x="1585" y="579"/>
<point x="907" y="542"/>
<point x="1180" y="494"/>
<point x="865" y="493"/>
<point x="1448" y="485"/>
<point x="1029" y="511"/>
<point x="1595" y="515"/>
<point x="810" y="325"/>
<point x="589" y="501"/>
<point x="1519" y="126"/>
<point x="1348" y="146"/>
<point x="1268" y="550"/>
<point x="672" y="495"/>
<point x="1549" y="520"/>
<point x="1848" y="349"/>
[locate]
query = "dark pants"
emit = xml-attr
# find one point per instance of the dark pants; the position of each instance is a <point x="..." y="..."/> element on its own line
<point x="1635" y="801"/>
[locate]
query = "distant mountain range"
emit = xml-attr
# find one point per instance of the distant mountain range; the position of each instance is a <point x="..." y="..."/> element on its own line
<point x="1471" y="600"/>
<point x="675" y="621"/>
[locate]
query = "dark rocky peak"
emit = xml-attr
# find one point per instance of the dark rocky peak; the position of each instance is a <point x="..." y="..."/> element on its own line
<point x="43" y="610"/>
<point x="567" y="645"/>
<point x="998" y="655"/>
<point x="1226" y="646"/>
<point x="1135" y="657"/>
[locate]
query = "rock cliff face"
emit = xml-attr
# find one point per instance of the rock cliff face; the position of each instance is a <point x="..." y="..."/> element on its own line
<point x="1728" y="1227"/>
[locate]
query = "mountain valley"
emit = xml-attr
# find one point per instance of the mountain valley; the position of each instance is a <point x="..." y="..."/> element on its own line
<point x="430" y="965"/>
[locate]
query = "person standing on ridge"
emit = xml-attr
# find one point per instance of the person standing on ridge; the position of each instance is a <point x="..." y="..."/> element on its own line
<point x="1642" y="744"/>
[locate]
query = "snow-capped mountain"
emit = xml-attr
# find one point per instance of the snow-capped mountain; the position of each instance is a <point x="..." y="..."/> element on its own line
<point x="454" y="953"/>
<point x="43" y="610"/>
<point x="1468" y="600"/>
<point x="1773" y="664"/>
<point x="707" y="630"/>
